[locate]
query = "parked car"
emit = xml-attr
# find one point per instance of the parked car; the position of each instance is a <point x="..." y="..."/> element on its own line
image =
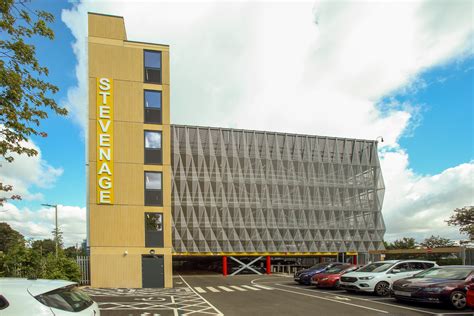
<point x="378" y="277"/>
<point x="445" y="284"/>
<point x="304" y="276"/>
<point x="331" y="278"/>
<point x="26" y="297"/>
<point x="470" y="295"/>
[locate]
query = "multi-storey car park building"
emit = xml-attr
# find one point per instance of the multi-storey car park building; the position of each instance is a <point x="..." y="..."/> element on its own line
<point x="158" y="190"/>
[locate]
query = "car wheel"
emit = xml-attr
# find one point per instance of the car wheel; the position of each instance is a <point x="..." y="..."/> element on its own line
<point x="382" y="289"/>
<point x="337" y="286"/>
<point x="458" y="299"/>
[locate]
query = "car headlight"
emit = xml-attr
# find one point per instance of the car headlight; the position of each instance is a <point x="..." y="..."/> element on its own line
<point x="324" y="279"/>
<point x="433" y="289"/>
<point x="366" y="278"/>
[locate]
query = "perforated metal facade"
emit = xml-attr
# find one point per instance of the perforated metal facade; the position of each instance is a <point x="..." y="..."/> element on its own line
<point x="243" y="191"/>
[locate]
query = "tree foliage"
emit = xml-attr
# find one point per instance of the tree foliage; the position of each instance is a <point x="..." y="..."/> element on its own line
<point x="9" y="237"/>
<point x="436" y="242"/>
<point x="404" y="243"/>
<point x="44" y="247"/>
<point x="25" y="94"/>
<point x="464" y="219"/>
<point x="36" y="259"/>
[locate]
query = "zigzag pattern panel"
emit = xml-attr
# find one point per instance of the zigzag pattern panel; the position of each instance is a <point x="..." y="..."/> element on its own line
<point x="251" y="191"/>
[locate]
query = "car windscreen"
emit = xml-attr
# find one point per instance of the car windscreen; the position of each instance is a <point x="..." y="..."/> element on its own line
<point x="319" y="266"/>
<point x="336" y="269"/>
<point x="376" y="267"/>
<point x="445" y="273"/>
<point x="70" y="299"/>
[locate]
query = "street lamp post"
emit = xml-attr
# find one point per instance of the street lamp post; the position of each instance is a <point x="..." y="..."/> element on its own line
<point x="56" y="231"/>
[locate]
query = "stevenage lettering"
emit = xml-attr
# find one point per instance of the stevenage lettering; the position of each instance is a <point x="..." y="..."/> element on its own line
<point x="105" y="152"/>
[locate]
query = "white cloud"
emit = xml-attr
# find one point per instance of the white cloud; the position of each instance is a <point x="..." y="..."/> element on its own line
<point x="417" y="206"/>
<point x="307" y="68"/>
<point x="27" y="173"/>
<point x="38" y="224"/>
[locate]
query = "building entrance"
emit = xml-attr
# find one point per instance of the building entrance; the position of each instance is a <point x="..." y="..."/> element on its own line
<point x="153" y="271"/>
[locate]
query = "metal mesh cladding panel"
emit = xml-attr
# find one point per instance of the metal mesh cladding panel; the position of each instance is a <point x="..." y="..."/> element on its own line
<point x="250" y="191"/>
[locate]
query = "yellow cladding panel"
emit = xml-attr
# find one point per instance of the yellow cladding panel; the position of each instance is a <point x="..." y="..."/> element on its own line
<point x="165" y="56"/>
<point x="115" y="62"/>
<point x="166" y="105"/>
<point x="129" y="100"/>
<point x="105" y="140"/>
<point x="129" y="142"/>
<point x="115" y="270"/>
<point x="125" y="225"/>
<point x="106" y="26"/>
<point x="130" y="105"/>
<point x="129" y="183"/>
<point x="112" y="267"/>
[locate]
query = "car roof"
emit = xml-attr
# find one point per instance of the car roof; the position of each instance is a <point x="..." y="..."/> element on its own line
<point x="408" y="260"/>
<point x="34" y="286"/>
<point x="457" y="266"/>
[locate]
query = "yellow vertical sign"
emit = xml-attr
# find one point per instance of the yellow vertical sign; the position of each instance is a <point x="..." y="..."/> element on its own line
<point x="105" y="141"/>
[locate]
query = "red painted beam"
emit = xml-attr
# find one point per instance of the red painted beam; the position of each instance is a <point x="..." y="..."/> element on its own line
<point x="224" y="265"/>
<point x="269" y="265"/>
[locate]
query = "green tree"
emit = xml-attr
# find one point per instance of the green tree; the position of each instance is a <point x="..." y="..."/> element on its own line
<point x="464" y="219"/>
<point x="25" y="94"/>
<point x="44" y="247"/>
<point x="71" y="252"/>
<point x="61" y="267"/>
<point x="9" y="237"/>
<point x="404" y="243"/>
<point x="35" y="259"/>
<point x="437" y="242"/>
<point x="20" y="261"/>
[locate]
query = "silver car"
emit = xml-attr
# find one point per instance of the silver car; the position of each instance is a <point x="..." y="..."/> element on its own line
<point x="26" y="297"/>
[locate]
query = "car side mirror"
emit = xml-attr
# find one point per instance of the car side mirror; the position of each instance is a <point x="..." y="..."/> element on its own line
<point x="396" y="271"/>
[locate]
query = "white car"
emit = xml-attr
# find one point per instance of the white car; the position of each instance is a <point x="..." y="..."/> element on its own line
<point x="26" y="297"/>
<point x="378" y="277"/>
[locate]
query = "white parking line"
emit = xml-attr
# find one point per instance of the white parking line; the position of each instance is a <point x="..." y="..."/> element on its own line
<point x="459" y="313"/>
<point x="263" y="287"/>
<point x="250" y="288"/>
<point x="200" y="289"/>
<point x="212" y="289"/>
<point x="365" y="299"/>
<point x="218" y="311"/>
<point x="225" y="289"/>
<point x="237" y="288"/>
<point x="332" y="300"/>
<point x="175" y="311"/>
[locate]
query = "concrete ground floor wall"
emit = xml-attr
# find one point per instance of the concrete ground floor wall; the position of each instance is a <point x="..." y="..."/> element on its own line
<point x="121" y="267"/>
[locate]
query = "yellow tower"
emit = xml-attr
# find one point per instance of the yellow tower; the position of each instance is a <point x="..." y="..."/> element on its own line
<point x="129" y="172"/>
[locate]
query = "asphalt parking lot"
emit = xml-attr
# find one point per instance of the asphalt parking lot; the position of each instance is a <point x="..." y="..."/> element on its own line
<point x="251" y="295"/>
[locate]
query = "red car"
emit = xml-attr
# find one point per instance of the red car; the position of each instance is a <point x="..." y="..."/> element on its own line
<point x="331" y="278"/>
<point x="446" y="284"/>
<point x="470" y="296"/>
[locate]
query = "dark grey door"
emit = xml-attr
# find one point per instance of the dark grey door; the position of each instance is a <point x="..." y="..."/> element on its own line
<point x="153" y="268"/>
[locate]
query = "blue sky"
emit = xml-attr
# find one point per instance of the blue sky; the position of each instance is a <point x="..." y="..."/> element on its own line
<point x="445" y="135"/>
<point x="350" y="68"/>
<point x="64" y="146"/>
